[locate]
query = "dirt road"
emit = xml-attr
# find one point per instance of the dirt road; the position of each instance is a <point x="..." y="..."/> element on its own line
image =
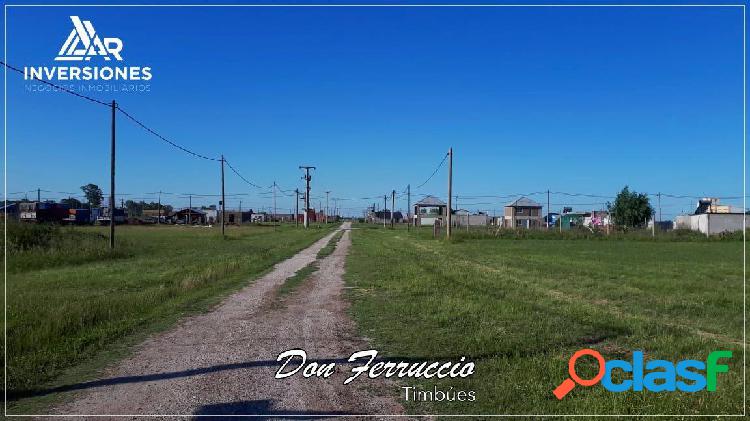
<point x="224" y="362"/>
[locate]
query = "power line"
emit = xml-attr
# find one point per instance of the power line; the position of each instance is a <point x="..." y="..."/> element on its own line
<point x="153" y="132"/>
<point x="434" y="172"/>
<point x="240" y="175"/>
<point x="62" y="88"/>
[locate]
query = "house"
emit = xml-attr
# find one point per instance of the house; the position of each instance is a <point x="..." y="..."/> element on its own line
<point x="711" y="205"/>
<point x="212" y="215"/>
<point x="429" y="210"/>
<point x="154" y="214"/>
<point x="712" y="218"/>
<point x="523" y="213"/>
<point x="237" y="217"/>
<point x="463" y="218"/>
<point x="381" y="216"/>
<point x="598" y="218"/>
<point x="311" y="216"/>
<point x="287" y="217"/>
<point x="573" y="219"/>
<point x="189" y="216"/>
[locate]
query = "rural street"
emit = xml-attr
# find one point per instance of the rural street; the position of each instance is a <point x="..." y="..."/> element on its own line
<point x="224" y="361"/>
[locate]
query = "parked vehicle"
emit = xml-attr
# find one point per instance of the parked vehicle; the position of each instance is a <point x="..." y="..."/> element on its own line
<point x="78" y="216"/>
<point x="104" y="218"/>
<point x="43" y="212"/>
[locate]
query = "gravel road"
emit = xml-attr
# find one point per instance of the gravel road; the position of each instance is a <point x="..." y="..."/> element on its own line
<point x="223" y="362"/>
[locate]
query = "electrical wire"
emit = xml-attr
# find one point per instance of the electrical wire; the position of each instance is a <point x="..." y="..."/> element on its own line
<point x="62" y="88"/>
<point x="153" y="132"/>
<point x="240" y="175"/>
<point x="434" y="172"/>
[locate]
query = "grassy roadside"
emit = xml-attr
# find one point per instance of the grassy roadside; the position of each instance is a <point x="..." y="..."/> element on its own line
<point x="520" y="308"/>
<point x="66" y="319"/>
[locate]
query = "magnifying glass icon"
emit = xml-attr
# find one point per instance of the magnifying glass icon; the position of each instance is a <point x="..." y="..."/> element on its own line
<point x="568" y="384"/>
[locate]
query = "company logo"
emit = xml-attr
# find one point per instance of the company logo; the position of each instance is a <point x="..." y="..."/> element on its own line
<point x="84" y="43"/>
<point x="654" y="376"/>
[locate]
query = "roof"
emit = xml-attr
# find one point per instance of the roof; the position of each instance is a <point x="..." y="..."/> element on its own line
<point x="193" y="210"/>
<point x="430" y="201"/>
<point x="524" y="202"/>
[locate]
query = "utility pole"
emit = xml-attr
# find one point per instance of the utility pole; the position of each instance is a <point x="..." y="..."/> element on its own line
<point x="659" y="200"/>
<point x="327" y="192"/>
<point x="223" y="201"/>
<point x="385" y="207"/>
<point x="653" y="224"/>
<point x="408" y="206"/>
<point x="393" y="205"/>
<point x="190" y="209"/>
<point x="112" y="182"/>
<point x="548" y="210"/>
<point x="240" y="212"/>
<point x="296" y="208"/>
<point x="450" y="191"/>
<point x="38" y="195"/>
<point x="307" y="179"/>
<point x="158" y="220"/>
<point x="274" y="201"/>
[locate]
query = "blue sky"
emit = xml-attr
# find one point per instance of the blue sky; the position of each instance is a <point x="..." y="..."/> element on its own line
<point x="579" y="100"/>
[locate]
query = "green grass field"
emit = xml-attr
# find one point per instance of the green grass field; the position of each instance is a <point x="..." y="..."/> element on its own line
<point x="521" y="308"/>
<point x="73" y="305"/>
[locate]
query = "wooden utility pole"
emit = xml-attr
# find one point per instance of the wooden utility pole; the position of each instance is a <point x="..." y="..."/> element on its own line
<point x="39" y="194"/>
<point x="385" y="207"/>
<point x="408" y="206"/>
<point x="548" y="210"/>
<point x="190" y="208"/>
<point x="327" y="193"/>
<point x="223" y="200"/>
<point x="296" y="207"/>
<point x="450" y="192"/>
<point x="307" y="179"/>
<point x="158" y="220"/>
<point x="112" y="182"/>
<point x="274" y="201"/>
<point x="658" y="195"/>
<point x="393" y="205"/>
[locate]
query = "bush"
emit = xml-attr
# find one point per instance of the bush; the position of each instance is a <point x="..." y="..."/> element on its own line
<point x="22" y="237"/>
<point x="586" y="234"/>
<point x="33" y="246"/>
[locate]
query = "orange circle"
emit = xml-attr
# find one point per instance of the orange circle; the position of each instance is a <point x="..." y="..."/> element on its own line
<point x="572" y="367"/>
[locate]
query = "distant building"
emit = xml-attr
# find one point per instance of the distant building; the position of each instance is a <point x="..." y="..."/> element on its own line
<point x="150" y="215"/>
<point x="189" y="216"/>
<point x="381" y="216"/>
<point x="710" y="217"/>
<point x="462" y="218"/>
<point x="237" y="217"/>
<point x="523" y="213"/>
<point x="287" y="217"/>
<point x="429" y="210"/>
<point x="711" y="205"/>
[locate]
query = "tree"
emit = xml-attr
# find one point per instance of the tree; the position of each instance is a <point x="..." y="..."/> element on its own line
<point x="134" y="209"/>
<point x="631" y="209"/>
<point x="93" y="195"/>
<point x="72" y="202"/>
